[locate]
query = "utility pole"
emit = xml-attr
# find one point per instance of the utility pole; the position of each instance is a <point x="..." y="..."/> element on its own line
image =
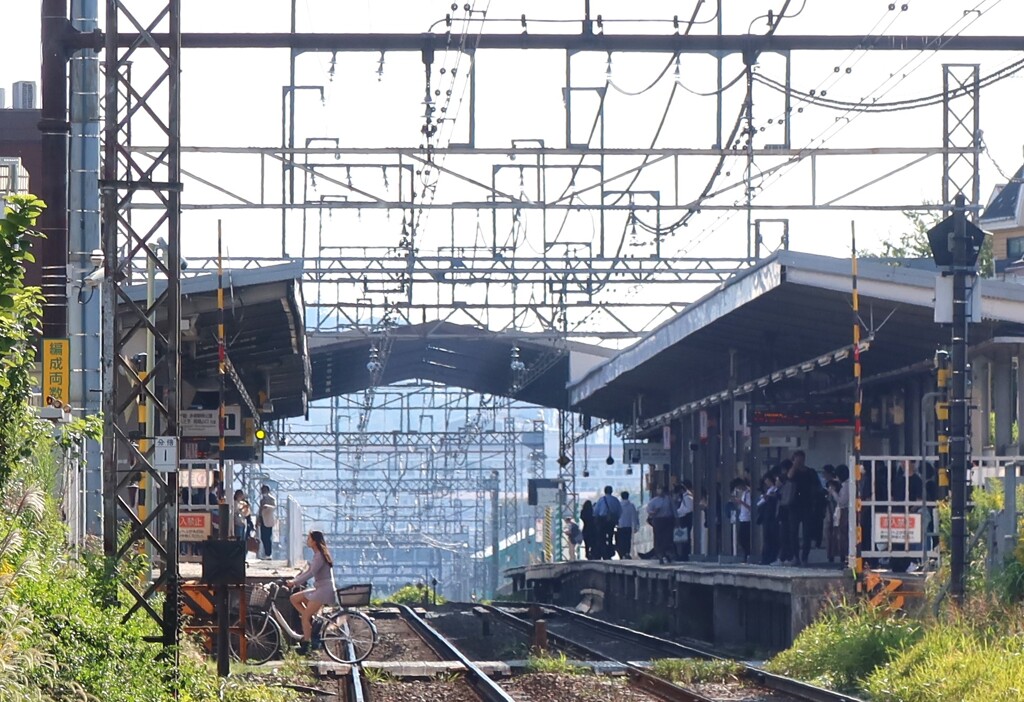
<point x="955" y="245"/>
<point x="958" y="402"/>
<point x="495" y="535"/>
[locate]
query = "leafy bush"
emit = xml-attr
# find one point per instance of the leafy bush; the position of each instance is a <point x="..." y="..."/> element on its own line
<point x="696" y="670"/>
<point x="411" y="595"/>
<point x="845" y="644"/>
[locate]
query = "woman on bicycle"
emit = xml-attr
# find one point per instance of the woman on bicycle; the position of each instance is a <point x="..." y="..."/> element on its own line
<point x="308" y="602"/>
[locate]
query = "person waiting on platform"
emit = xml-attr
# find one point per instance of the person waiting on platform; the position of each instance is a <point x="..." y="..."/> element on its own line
<point x="591" y="537"/>
<point x="629" y="523"/>
<point x="806" y="512"/>
<point x="243" y="516"/>
<point x="661" y="517"/>
<point x="787" y="494"/>
<point x="607" y="510"/>
<point x="767" y="516"/>
<point x="740" y="489"/>
<point x="684" y="522"/>
<point x="267" y="520"/>
<point x="573" y="537"/>
<point x="841" y="518"/>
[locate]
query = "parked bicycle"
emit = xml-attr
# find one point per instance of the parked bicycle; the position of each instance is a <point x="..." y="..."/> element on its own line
<point x="346" y="634"/>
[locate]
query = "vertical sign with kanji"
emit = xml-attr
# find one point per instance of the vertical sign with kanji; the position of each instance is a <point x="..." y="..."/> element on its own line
<point x="57" y="369"/>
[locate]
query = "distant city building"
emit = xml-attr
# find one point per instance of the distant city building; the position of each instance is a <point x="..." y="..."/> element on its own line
<point x="24" y="95"/>
<point x="3" y="99"/>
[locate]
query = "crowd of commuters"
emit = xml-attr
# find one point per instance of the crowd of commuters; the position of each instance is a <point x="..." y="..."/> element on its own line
<point x="796" y="508"/>
<point x="608" y="527"/>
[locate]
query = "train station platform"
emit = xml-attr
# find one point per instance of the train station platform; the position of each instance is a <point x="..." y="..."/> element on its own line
<point x="753" y="608"/>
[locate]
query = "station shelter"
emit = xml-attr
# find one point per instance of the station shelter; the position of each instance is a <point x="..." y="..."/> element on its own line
<point x="763" y="366"/>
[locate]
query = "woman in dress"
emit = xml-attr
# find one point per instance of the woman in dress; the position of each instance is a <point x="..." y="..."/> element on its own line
<point x="309" y="601"/>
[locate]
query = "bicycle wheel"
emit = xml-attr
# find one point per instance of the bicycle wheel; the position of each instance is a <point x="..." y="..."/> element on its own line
<point x="262" y="639"/>
<point x="348" y="637"/>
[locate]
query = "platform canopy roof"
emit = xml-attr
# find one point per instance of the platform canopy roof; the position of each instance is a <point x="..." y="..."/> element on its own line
<point x="786" y="312"/>
<point x="264" y="328"/>
<point x="455" y="355"/>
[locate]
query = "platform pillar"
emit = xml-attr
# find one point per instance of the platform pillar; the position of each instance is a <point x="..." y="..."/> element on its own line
<point x="1002" y="400"/>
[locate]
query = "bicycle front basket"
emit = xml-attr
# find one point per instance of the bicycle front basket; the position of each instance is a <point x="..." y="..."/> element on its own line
<point x="354" y="595"/>
<point x="259" y="598"/>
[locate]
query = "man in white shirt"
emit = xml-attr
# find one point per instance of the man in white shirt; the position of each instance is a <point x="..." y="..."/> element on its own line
<point x="684" y="520"/>
<point x="267" y="521"/>
<point x="660" y="516"/>
<point x="629" y="523"/>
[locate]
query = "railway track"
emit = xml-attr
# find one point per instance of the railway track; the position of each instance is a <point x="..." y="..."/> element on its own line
<point x="428" y="679"/>
<point x="603" y="640"/>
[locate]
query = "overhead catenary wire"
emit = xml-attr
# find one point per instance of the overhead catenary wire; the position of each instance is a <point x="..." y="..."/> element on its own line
<point x="895" y="105"/>
<point x="836" y="127"/>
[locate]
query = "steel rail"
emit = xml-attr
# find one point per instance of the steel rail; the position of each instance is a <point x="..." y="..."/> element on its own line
<point x="771" y="681"/>
<point x="487" y="689"/>
<point x="638" y="677"/>
<point x="354" y="679"/>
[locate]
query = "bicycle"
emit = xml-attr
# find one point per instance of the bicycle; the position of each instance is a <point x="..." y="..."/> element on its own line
<point x="346" y="635"/>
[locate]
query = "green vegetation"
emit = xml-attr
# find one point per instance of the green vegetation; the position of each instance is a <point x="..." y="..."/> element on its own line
<point x="914" y="243"/>
<point x="974" y="656"/>
<point x="376" y="675"/>
<point x="845" y="645"/>
<point x="63" y="635"/>
<point x="694" y="670"/>
<point x="557" y="664"/>
<point x="969" y="654"/>
<point x="413" y="595"/>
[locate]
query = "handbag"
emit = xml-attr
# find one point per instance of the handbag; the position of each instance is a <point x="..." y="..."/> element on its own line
<point x="252" y="544"/>
<point x="681" y="535"/>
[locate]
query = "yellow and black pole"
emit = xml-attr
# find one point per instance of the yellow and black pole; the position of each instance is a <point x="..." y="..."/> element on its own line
<point x="856" y="562"/>
<point x="223" y="622"/>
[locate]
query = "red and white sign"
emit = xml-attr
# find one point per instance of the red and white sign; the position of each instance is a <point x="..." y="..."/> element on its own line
<point x="194" y="526"/>
<point x="897" y="528"/>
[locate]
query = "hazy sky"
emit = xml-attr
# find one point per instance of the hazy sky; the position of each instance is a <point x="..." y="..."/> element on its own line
<point x="234" y="98"/>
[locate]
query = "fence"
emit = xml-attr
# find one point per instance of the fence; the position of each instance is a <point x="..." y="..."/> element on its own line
<point x="899" y="496"/>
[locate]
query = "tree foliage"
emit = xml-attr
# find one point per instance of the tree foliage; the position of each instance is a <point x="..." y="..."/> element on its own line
<point x="913" y="243"/>
<point x="21" y="309"/>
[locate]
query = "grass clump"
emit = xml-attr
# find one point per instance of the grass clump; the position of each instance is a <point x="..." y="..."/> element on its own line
<point x="845" y="645"/>
<point x="951" y="664"/>
<point x="975" y="655"/>
<point x="378" y="676"/>
<point x="556" y="664"/>
<point x="695" y="670"/>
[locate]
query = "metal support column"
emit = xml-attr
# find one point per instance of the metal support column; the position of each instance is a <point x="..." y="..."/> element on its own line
<point x="961" y="129"/>
<point x="959" y="411"/>
<point x="129" y="178"/>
